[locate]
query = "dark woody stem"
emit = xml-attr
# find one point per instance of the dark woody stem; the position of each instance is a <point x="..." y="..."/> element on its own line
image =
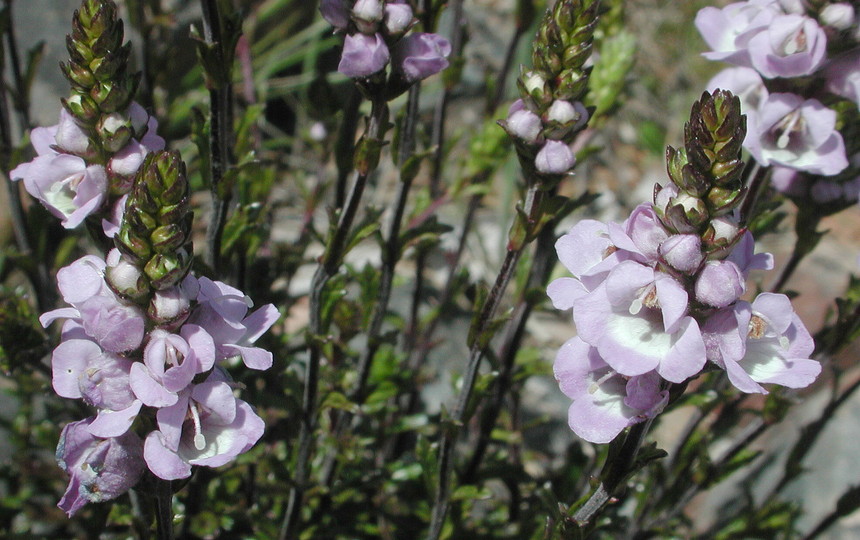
<point x="614" y="472"/>
<point x="390" y="255"/>
<point x="450" y="432"/>
<point x="164" y="509"/>
<point x="328" y="267"/>
<point x="438" y="137"/>
<point x="220" y="126"/>
<point x="345" y="145"/>
<point x="538" y="275"/>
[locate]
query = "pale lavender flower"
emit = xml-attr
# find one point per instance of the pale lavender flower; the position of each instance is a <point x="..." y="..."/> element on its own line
<point x="223" y="312"/>
<point x="796" y="133"/>
<point x="638" y="321"/>
<point x="420" y="55"/>
<point x="114" y="325"/>
<point x="83" y="370"/>
<point x="762" y="343"/>
<point x="70" y="138"/>
<point x="99" y="469"/>
<point x="728" y="31"/>
<point x="641" y="234"/>
<point x="207" y="426"/>
<point x="555" y="157"/>
<point x="744" y="82"/>
<point x="170" y="307"/>
<point x="363" y="55"/>
<point x="170" y="363"/>
<point x="744" y="256"/>
<point x="589" y="255"/>
<point x="791" y="46"/>
<point x="604" y="402"/>
<point x="63" y="183"/>
<point x="367" y="14"/>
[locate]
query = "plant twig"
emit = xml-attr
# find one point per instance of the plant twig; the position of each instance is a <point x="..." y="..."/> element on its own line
<point x="220" y="132"/>
<point x="327" y="268"/>
<point x="531" y="208"/>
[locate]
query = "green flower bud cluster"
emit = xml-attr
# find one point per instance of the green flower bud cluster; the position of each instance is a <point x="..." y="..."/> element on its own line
<point x="550" y="113"/>
<point x="155" y="234"/>
<point x="707" y="171"/>
<point x="561" y="48"/>
<point x="102" y="89"/>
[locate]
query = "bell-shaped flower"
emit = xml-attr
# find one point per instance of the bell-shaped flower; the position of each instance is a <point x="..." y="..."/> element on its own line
<point x="791" y="46"/>
<point x="797" y="133"/>
<point x="839" y="16"/>
<point x="223" y="312"/>
<point x="419" y="55"/>
<point x="83" y="370"/>
<point x="762" y="343"/>
<point x="170" y="363"/>
<point x="638" y="321"/>
<point x="744" y="256"/>
<point x="363" y="55"/>
<point x="604" y="402"/>
<point x="207" y="426"/>
<point x="100" y="469"/>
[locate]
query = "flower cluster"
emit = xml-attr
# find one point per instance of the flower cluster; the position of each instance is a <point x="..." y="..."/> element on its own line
<point x="544" y="122"/>
<point x="657" y="298"/>
<point x="377" y="34"/>
<point x="796" y="67"/>
<point x="145" y="338"/>
<point x="143" y="341"/>
<point x="86" y="162"/>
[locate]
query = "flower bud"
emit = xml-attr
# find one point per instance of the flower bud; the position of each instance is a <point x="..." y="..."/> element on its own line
<point x="363" y="55"/>
<point x="720" y="283"/>
<point x="170" y="306"/>
<point x="554" y="158"/>
<point x="524" y="125"/>
<point x="682" y="252"/>
<point x="398" y="18"/>
<point x="115" y="131"/>
<point x="564" y="117"/>
<point x="125" y="278"/>
<point x="840" y="16"/>
<point x="367" y="14"/>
